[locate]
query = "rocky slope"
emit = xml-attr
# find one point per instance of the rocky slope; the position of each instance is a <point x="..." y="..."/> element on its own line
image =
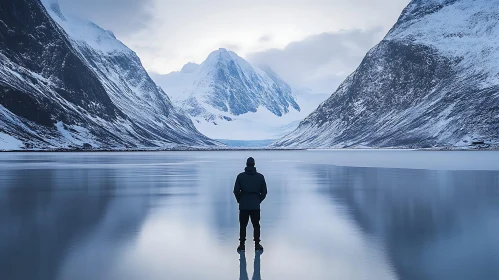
<point x="65" y="83"/>
<point x="433" y="81"/>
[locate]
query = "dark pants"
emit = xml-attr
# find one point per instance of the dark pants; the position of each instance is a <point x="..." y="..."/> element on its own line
<point x="244" y="216"/>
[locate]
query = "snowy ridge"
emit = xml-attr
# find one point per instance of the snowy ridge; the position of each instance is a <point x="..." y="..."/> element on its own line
<point x="432" y="82"/>
<point x="76" y="85"/>
<point x="121" y="72"/>
<point x="464" y="30"/>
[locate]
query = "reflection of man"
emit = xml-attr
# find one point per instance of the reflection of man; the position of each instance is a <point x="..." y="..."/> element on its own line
<point x="250" y="190"/>
<point x="243" y="273"/>
<point x="256" y="267"/>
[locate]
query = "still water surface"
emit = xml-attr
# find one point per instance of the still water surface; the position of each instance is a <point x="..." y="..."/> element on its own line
<point x="172" y="215"/>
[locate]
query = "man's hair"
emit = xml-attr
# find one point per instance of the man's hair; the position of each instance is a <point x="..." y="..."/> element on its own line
<point x="250" y="161"/>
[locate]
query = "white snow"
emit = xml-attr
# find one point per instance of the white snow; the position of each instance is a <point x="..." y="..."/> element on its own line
<point x="467" y="30"/>
<point x="8" y="143"/>
<point x="85" y="31"/>
<point x="76" y="135"/>
<point x="262" y="124"/>
<point x="250" y="126"/>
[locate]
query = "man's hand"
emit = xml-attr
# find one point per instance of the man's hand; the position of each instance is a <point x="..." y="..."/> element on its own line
<point x="237" y="189"/>
<point x="263" y="192"/>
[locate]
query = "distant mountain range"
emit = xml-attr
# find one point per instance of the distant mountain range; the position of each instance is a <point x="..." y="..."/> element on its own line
<point x="228" y="98"/>
<point x="433" y="81"/>
<point x="67" y="83"/>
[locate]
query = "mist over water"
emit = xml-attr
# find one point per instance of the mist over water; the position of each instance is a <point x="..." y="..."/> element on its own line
<point x="172" y="215"/>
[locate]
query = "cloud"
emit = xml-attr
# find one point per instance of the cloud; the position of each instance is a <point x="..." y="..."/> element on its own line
<point x="265" y="39"/>
<point x="120" y="16"/>
<point x="189" y="30"/>
<point x="320" y="62"/>
<point x="166" y="34"/>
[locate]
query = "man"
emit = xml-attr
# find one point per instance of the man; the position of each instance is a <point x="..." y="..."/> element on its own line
<point x="250" y="190"/>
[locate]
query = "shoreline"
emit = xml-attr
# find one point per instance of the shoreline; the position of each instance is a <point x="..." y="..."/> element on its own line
<point x="231" y="149"/>
<point x="140" y="150"/>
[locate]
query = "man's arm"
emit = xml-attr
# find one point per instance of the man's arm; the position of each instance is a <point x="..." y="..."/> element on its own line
<point x="237" y="189"/>
<point x="263" y="192"/>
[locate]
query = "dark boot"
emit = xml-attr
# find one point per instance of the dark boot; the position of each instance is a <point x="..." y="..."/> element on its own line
<point x="241" y="247"/>
<point x="258" y="247"/>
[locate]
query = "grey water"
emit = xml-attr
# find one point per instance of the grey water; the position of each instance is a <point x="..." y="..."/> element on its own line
<point x="247" y="143"/>
<point x="348" y="214"/>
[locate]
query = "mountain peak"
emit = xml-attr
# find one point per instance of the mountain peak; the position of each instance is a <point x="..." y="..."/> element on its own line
<point x="221" y="55"/>
<point x="53" y="5"/>
<point x="420" y="8"/>
<point x="225" y="85"/>
<point x="222" y="51"/>
<point x="189" y="67"/>
<point x="226" y="97"/>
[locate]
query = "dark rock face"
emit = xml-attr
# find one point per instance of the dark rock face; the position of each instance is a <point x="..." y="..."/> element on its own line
<point x="427" y="84"/>
<point x="54" y="93"/>
<point x="32" y="44"/>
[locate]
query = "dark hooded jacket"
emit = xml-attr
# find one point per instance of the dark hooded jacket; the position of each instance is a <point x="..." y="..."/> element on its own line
<point x="250" y="189"/>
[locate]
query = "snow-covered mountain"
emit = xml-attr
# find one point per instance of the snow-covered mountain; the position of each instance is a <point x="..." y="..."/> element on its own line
<point x="228" y="98"/>
<point x="66" y="82"/>
<point x="433" y="81"/>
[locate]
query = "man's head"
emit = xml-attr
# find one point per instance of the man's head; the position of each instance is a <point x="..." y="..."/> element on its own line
<point x="250" y="162"/>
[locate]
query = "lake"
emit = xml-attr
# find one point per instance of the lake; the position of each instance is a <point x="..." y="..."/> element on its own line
<point x="350" y="214"/>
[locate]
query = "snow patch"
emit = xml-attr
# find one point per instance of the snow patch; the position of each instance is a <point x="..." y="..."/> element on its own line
<point x="10" y="143"/>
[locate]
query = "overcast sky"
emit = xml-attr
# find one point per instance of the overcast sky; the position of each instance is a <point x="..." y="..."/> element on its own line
<point x="314" y="43"/>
